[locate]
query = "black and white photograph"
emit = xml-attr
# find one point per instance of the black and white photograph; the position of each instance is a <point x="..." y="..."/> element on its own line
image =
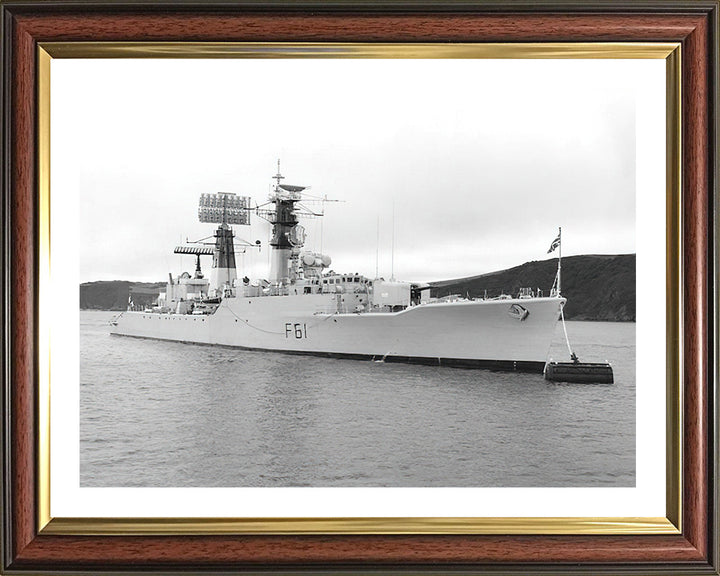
<point x="354" y="273"/>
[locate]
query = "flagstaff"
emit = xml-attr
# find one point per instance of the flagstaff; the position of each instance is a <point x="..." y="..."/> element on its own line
<point x="559" y="258"/>
<point x="557" y="243"/>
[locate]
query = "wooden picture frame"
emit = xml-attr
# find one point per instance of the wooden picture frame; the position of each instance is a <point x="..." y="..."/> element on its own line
<point x="31" y="545"/>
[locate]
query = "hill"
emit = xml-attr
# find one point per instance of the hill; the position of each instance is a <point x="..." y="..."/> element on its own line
<point x="113" y="294"/>
<point x="598" y="287"/>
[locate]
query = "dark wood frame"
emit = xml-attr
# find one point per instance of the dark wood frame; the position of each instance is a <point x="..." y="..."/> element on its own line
<point x="693" y="23"/>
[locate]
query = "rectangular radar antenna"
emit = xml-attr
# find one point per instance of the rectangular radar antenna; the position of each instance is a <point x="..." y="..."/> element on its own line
<point x="224" y="208"/>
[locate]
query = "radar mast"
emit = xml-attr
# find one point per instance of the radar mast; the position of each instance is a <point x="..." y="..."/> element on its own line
<point x="224" y="208"/>
<point x="288" y="236"/>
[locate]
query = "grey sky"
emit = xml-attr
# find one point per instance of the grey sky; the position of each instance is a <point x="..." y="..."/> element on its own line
<point x="482" y="160"/>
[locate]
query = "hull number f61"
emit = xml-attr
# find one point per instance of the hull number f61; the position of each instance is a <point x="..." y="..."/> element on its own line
<point x="295" y="330"/>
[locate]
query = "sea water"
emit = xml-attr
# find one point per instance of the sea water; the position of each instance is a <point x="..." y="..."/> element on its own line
<point x="156" y="413"/>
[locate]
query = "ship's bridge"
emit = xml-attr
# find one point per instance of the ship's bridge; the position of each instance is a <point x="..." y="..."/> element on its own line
<point x="332" y="283"/>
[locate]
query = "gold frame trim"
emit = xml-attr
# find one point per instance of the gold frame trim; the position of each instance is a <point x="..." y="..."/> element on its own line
<point x="533" y="50"/>
<point x="671" y="524"/>
<point x="43" y="170"/>
<point x="290" y="526"/>
<point x="674" y="311"/>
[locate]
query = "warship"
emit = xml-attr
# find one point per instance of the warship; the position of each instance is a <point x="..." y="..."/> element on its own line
<point x="304" y="307"/>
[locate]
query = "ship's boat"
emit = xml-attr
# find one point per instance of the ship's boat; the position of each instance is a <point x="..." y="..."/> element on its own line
<point x="303" y="307"/>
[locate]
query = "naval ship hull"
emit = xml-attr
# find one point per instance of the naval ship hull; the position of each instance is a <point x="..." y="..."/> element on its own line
<point x="504" y="334"/>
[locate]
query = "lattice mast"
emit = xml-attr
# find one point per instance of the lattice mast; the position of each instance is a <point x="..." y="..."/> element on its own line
<point x="287" y="236"/>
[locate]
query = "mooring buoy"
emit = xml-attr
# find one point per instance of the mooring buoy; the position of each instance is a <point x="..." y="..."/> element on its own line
<point x="580" y="372"/>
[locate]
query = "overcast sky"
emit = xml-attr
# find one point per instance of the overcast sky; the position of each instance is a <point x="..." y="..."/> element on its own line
<point x="480" y="160"/>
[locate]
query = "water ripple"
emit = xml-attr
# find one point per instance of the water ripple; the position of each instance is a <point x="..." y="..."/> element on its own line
<point x="169" y="414"/>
